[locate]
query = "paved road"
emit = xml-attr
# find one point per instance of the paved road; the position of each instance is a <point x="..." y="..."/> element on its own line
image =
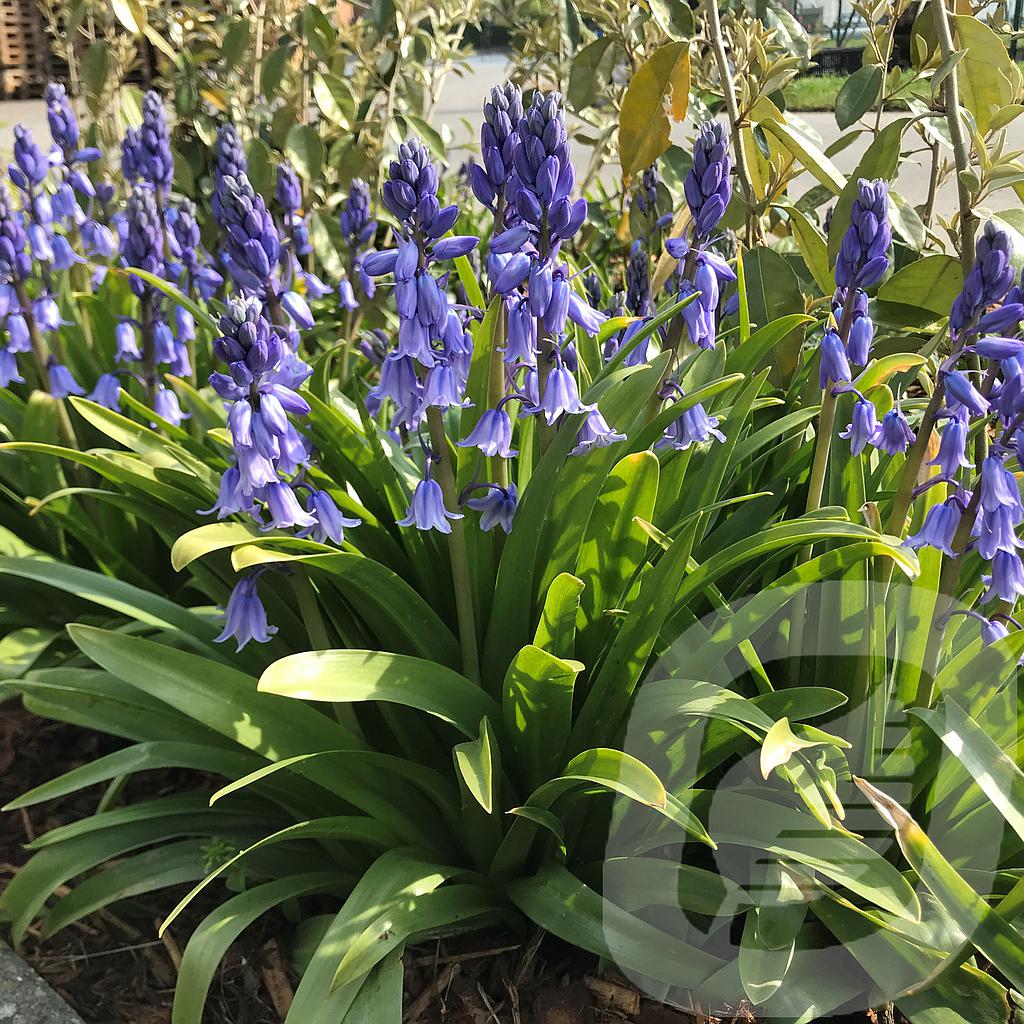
<point x="459" y="107"/>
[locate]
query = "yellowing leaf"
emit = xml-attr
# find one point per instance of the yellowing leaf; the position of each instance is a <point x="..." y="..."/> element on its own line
<point x="660" y="89"/>
<point x="215" y="98"/>
<point x="780" y="744"/>
<point x="988" y="79"/>
<point x="812" y="158"/>
<point x="131" y="14"/>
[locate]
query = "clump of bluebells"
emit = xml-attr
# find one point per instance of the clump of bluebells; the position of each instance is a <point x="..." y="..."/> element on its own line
<point x="982" y="509"/>
<point x="979" y="393"/>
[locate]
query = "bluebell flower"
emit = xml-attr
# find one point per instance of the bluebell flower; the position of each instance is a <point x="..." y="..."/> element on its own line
<point x="894" y="434"/>
<point x="503" y="110"/>
<point x="330" y="523"/>
<point x="835" y="367"/>
<point x="98" y="240"/>
<point x="939" y="528"/>
<point x="15" y="262"/>
<point x="952" y="453"/>
<point x="62" y="381"/>
<point x="707" y="185"/>
<point x="863" y="255"/>
<point x="427" y="511"/>
<point x="995" y="530"/>
<point x="284" y="508"/>
<point x="988" y="280"/>
<point x="46" y="312"/>
<point x="19" y="339"/>
<point x="167" y="406"/>
<point x="9" y="368"/>
<point x="497" y="507"/>
<point x="863" y="428"/>
<point x="561" y="396"/>
<point x="1007" y="578"/>
<point x="595" y="433"/>
<point x="154" y="144"/>
<point x="492" y="434"/>
<point x="107" y="392"/>
<point x="692" y="426"/>
<point x="245" y="618"/>
<point x="963" y="392"/>
<point x="126" y="341"/>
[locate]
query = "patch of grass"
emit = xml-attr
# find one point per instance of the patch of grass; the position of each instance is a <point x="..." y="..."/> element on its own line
<point x="809" y="93"/>
<point x="814" y="93"/>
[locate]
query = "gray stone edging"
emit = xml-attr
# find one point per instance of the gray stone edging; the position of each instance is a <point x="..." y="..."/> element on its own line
<point x="25" y="998"/>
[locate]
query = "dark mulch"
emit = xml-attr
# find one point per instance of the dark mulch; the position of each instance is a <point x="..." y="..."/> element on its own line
<point x="113" y="969"/>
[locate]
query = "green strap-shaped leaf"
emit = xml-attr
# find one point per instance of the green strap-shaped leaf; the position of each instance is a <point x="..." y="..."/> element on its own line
<point x="614" y="543"/>
<point x="478" y="763"/>
<point x="347" y="676"/>
<point x="985" y="927"/>
<point x="561" y="904"/>
<point x="993" y="770"/>
<point x="123" y="598"/>
<point x="395" y="875"/>
<point x="219" y="929"/>
<point x="556" y="630"/>
<point x="536" y="708"/>
<point x="159" y="868"/>
<point x="222" y="698"/>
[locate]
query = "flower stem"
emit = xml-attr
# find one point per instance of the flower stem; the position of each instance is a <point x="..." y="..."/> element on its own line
<point x="717" y="40"/>
<point x="310" y="610"/>
<point x="957" y="136"/>
<point x="148" y="349"/>
<point x="39" y="350"/>
<point x="496" y="392"/>
<point x="456" y="547"/>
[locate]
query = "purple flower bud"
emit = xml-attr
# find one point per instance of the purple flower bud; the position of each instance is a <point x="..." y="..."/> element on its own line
<point x="61" y="117"/>
<point x="288" y="190"/>
<point x="862" y="260"/>
<point x="988" y="280"/>
<point x="959" y="387"/>
<point x="707" y="186"/>
<point x="379" y="263"/>
<point x="835" y="367"/>
<point x="862" y="334"/>
<point x="157" y="164"/>
<point x="457" y="245"/>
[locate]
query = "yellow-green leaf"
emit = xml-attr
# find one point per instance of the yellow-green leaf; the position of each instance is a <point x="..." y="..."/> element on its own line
<point x="660" y="89"/>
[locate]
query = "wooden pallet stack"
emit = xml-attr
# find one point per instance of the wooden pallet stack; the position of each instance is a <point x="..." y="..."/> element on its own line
<point x="24" y="54"/>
